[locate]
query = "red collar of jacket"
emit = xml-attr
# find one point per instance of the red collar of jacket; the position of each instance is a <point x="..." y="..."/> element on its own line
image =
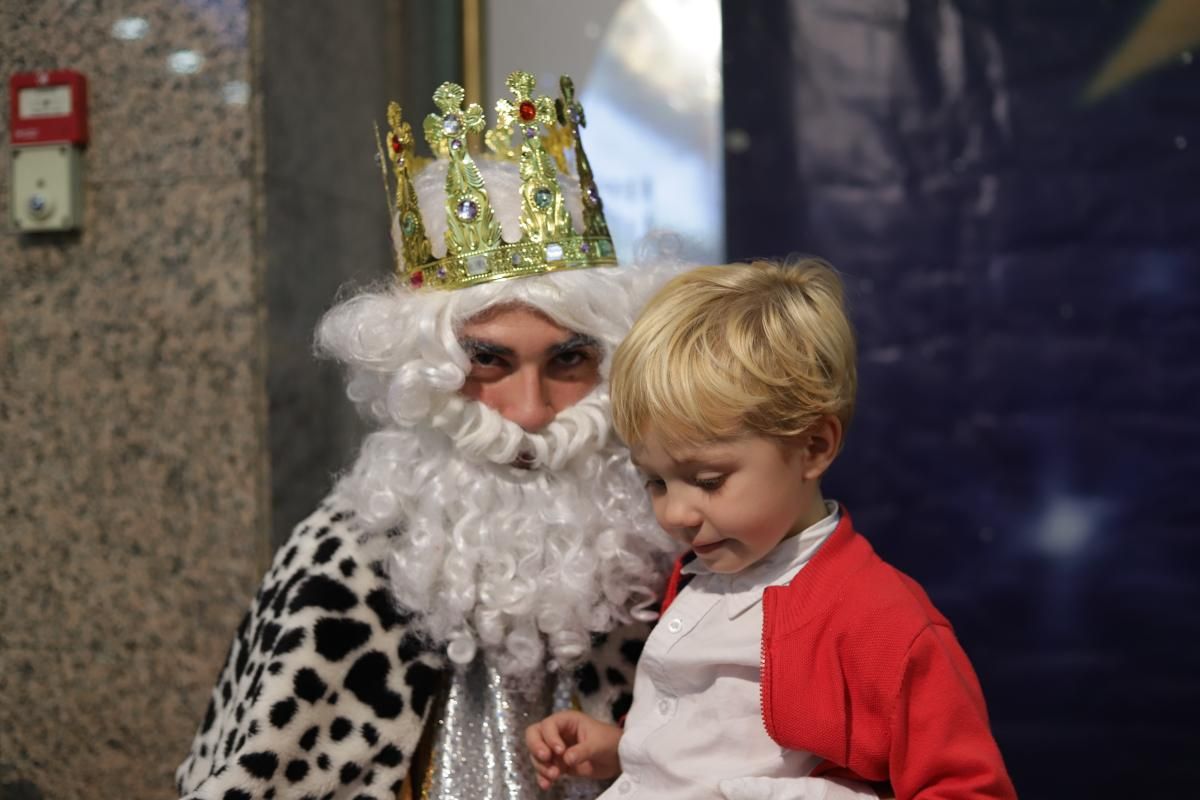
<point x="817" y="587"/>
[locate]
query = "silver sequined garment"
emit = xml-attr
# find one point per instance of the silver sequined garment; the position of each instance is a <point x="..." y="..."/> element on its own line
<point x="479" y="741"/>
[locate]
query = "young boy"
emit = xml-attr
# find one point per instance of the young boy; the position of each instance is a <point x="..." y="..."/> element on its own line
<point x="790" y="661"/>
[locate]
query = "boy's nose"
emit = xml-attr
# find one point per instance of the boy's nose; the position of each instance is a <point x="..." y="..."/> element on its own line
<point x="528" y="402"/>
<point x="678" y="515"/>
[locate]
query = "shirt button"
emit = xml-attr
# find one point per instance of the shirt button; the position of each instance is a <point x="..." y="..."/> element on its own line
<point x="664" y="707"/>
<point x="625" y="787"/>
<point x="675" y="625"/>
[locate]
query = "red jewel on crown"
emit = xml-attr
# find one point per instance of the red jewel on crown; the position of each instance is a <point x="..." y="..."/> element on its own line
<point x="397" y="145"/>
<point x="527" y="111"/>
<point x="417" y="279"/>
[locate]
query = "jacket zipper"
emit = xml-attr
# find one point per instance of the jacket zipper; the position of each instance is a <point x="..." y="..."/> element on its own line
<point x="763" y="675"/>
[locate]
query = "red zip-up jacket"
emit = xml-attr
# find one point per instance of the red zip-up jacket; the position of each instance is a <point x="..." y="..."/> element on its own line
<point x="860" y="669"/>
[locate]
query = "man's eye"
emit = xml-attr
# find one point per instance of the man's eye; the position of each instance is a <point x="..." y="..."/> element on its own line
<point x="572" y="358"/>
<point x="487" y="360"/>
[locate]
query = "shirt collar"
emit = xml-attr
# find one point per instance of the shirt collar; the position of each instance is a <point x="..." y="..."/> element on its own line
<point x="744" y="589"/>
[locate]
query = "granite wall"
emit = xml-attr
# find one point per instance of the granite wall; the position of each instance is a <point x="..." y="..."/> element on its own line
<point x="227" y="187"/>
<point x="132" y="402"/>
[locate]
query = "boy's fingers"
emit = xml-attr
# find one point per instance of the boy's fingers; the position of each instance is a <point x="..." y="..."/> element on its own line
<point x="551" y="736"/>
<point x="535" y="743"/>
<point x="584" y="769"/>
<point x="578" y="752"/>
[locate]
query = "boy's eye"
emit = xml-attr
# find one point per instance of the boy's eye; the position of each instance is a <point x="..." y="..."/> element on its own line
<point x="655" y="485"/>
<point x="709" y="483"/>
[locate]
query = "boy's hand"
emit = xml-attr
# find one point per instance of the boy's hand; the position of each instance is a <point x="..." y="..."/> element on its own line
<point x="572" y="743"/>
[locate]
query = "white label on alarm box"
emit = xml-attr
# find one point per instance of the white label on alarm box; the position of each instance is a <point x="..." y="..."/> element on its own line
<point x="44" y="101"/>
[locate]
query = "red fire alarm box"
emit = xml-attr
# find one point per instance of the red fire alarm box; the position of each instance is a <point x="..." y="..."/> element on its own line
<point x="48" y="107"/>
<point x="49" y="130"/>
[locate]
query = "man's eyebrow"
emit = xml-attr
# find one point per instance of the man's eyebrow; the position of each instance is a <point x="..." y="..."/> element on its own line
<point x="574" y="342"/>
<point x="482" y="346"/>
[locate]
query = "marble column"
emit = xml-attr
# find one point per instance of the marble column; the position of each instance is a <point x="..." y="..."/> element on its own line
<point x="229" y="191"/>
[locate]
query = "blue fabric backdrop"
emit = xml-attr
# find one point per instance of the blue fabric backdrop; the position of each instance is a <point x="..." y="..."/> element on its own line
<point x="1010" y="189"/>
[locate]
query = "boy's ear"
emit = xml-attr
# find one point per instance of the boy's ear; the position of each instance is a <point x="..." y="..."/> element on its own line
<point x="820" y="445"/>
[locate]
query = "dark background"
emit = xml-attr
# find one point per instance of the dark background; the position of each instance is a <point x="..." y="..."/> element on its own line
<point x="1019" y="238"/>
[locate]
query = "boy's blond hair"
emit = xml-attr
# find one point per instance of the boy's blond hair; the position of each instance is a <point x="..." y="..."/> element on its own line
<point x="763" y="348"/>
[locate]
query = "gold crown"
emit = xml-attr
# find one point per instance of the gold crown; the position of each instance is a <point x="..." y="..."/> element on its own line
<point x="475" y="252"/>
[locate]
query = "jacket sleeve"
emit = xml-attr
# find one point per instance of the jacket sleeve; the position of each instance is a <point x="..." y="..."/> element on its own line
<point x="605" y="681"/>
<point x="325" y="690"/>
<point x="941" y="743"/>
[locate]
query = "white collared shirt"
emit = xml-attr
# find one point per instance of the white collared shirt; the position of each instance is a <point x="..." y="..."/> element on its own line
<point x="696" y="717"/>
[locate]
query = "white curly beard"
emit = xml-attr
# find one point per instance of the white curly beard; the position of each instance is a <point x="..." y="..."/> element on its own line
<point x="513" y="561"/>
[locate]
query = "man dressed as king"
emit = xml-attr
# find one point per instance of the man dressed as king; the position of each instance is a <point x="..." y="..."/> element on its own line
<point x="491" y="555"/>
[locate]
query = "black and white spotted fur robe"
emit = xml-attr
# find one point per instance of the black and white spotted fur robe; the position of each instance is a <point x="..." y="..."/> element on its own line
<point x="327" y="688"/>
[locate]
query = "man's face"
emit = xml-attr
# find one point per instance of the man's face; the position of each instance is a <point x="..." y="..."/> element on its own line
<point x="527" y="367"/>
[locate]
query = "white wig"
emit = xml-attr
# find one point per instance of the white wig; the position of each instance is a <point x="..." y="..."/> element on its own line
<point x="490" y="554"/>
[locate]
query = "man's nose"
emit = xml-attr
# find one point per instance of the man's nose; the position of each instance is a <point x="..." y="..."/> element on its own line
<point x="528" y="403"/>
